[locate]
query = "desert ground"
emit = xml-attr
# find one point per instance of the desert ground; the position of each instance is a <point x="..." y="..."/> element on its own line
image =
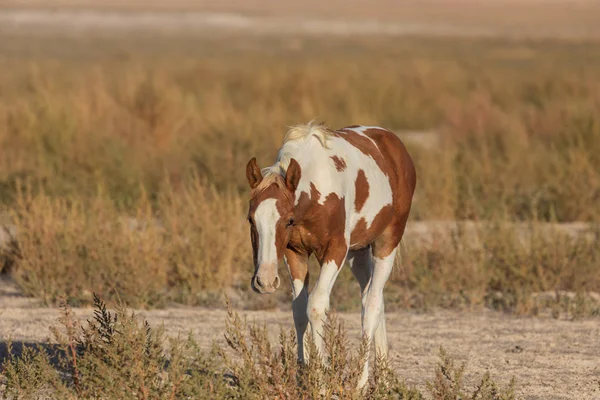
<point x="550" y="359"/>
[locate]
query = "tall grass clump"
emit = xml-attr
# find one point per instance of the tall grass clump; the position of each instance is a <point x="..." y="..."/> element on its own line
<point x="516" y="161"/>
<point x="119" y="355"/>
<point x="195" y="244"/>
<point x="502" y="266"/>
<point x="73" y="247"/>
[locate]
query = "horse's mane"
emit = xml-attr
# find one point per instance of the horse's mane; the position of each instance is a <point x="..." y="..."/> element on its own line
<point x="294" y="138"/>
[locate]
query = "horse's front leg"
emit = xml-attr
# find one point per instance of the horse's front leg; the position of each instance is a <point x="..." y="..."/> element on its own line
<point x="318" y="301"/>
<point x="298" y="268"/>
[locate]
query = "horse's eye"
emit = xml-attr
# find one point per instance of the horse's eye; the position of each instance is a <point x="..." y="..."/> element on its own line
<point x="290" y="222"/>
<point x="250" y="221"/>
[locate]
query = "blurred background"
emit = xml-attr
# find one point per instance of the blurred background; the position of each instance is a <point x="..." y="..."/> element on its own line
<point x="125" y="128"/>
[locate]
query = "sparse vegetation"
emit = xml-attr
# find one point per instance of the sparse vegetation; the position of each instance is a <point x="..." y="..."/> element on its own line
<point x="518" y="121"/>
<point x="122" y="163"/>
<point x="118" y="355"/>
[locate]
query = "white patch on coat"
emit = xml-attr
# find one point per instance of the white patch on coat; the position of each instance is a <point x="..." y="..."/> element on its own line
<point x="361" y="131"/>
<point x="297" y="286"/>
<point x="317" y="169"/>
<point x="266" y="217"/>
<point x="318" y="301"/>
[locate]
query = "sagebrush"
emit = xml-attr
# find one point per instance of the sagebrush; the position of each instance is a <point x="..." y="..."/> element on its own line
<point x="119" y="355"/>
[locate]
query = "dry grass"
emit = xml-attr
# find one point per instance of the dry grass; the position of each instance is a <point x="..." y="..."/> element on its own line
<point x="119" y="355"/>
<point x="95" y="133"/>
<point x="199" y="246"/>
<point x="518" y="121"/>
<point x="94" y="248"/>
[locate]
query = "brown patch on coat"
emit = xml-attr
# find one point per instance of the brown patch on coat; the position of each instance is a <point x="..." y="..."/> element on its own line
<point x="363" y="235"/>
<point x="366" y="146"/>
<point x="298" y="265"/>
<point x="266" y="185"/>
<point x="340" y="163"/>
<point x="361" y="187"/>
<point x="320" y="227"/>
<point x="254" y="241"/>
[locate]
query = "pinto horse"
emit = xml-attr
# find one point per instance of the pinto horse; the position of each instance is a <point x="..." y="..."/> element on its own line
<point x="342" y="195"/>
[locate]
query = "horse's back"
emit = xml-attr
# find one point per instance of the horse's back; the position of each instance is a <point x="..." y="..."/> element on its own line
<point x="397" y="169"/>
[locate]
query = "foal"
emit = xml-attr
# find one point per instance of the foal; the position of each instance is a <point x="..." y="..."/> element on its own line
<point x="342" y="195"/>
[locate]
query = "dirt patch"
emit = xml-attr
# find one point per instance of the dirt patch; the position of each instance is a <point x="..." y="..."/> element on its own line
<point x="550" y="359"/>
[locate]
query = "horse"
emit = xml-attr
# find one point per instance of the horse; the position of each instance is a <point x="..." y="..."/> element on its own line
<point x="343" y="195"/>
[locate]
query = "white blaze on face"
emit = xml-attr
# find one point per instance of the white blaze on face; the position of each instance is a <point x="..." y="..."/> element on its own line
<point x="266" y="217"/>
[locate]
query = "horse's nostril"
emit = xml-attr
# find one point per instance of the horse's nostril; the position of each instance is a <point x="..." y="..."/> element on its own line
<point x="276" y="282"/>
<point x="258" y="281"/>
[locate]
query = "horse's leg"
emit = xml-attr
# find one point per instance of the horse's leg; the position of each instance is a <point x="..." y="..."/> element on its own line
<point x="373" y="309"/>
<point x="318" y="300"/>
<point x="380" y="336"/>
<point x="384" y="253"/>
<point x="298" y="268"/>
<point x="361" y="264"/>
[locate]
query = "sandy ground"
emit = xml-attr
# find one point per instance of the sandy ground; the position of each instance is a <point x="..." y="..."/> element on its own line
<point x="572" y="19"/>
<point x="551" y="359"/>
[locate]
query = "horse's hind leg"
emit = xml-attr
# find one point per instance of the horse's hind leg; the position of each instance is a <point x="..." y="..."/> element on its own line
<point x="361" y="264"/>
<point x="383" y="255"/>
<point x="373" y="309"/>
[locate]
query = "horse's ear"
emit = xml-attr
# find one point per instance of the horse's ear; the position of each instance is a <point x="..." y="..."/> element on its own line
<point x="292" y="175"/>
<point x="253" y="173"/>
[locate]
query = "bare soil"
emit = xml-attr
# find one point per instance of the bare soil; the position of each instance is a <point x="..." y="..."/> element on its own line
<point x="550" y="359"/>
<point x="572" y="19"/>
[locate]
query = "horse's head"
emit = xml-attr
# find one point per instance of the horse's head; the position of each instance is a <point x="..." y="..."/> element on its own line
<point x="271" y="218"/>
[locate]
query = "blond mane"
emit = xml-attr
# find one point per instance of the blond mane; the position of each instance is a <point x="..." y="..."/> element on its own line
<point x="295" y="136"/>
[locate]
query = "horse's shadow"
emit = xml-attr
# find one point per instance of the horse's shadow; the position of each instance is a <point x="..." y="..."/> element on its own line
<point x="56" y="353"/>
<point x="17" y="348"/>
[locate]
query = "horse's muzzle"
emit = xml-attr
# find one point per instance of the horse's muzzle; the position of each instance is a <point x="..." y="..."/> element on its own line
<point x="259" y="286"/>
